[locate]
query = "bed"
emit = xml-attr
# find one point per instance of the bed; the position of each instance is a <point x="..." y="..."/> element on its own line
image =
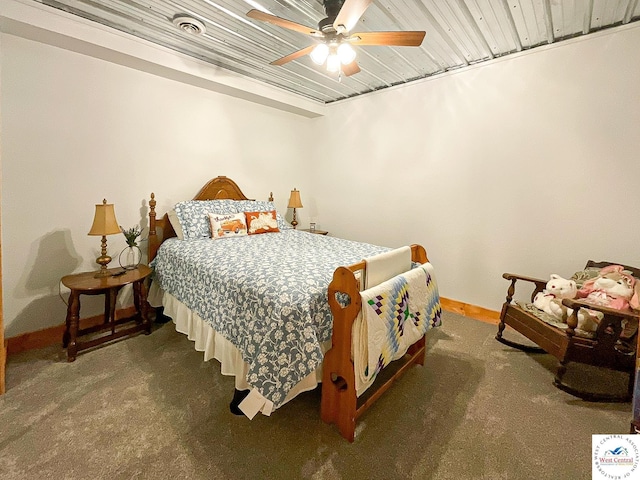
<point x="277" y="310"/>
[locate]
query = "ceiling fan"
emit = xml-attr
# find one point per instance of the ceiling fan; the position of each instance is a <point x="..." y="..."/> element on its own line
<point x="334" y="45"/>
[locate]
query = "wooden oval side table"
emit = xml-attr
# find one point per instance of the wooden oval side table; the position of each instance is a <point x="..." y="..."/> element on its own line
<point x="87" y="284"/>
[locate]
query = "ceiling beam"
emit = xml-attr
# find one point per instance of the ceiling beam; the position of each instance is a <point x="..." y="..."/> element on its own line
<point x="631" y="7"/>
<point x="475" y="27"/>
<point x="512" y="26"/>
<point x="588" y="13"/>
<point x="548" y="21"/>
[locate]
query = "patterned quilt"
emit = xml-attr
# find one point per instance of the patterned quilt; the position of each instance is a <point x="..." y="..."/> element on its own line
<point x="266" y="294"/>
<point x="395" y="314"/>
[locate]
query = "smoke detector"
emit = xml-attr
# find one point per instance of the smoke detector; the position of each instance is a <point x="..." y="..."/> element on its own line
<point x="189" y="24"/>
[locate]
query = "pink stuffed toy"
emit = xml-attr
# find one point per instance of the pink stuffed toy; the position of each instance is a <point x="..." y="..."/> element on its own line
<point x="613" y="288"/>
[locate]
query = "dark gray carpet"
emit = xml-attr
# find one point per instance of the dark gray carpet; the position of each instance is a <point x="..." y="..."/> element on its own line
<point x="149" y="407"/>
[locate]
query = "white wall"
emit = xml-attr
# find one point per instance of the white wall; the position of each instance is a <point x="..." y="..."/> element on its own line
<point x="528" y="164"/>
<point x="525" y="164"/>
<point x="76" y="129"/>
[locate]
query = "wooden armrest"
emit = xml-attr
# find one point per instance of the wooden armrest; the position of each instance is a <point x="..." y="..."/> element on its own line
<point x="539" y="284"/>
<point x="575" y="304"/>
<point x="513" y="276"/>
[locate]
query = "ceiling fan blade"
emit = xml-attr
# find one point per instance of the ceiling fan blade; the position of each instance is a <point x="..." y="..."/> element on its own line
<point x="281" y="22"/>
<point x="350" y="13"/>
<point x="398" y="39"/>
<point x="293" y="56"/>
<point x="350" y="68"/>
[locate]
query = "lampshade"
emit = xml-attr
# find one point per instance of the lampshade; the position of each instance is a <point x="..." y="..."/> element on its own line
<point x="104" y="220"/>
<point x="333" y="62"/>
<point x="319" y="53"/>
<point x="346" y="53"/>
<point x="294" y="199"/>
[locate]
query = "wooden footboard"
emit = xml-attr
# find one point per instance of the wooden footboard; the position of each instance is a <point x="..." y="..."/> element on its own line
<point x="339" y="403"/>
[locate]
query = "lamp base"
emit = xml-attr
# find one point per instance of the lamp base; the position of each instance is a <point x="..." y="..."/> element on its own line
<point x="103" y="261"/>
<point x="102" y="273"/>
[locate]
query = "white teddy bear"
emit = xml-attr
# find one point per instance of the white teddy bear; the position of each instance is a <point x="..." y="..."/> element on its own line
<point x="550" y="299"/>
<point x="550" y="302"/>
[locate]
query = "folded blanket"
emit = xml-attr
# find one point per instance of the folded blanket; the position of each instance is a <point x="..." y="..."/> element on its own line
<point x="386" y="265"/>
<point x="394" y="315"/>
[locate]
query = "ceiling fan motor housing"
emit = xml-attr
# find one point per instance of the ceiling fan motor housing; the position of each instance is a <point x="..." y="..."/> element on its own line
<point x="332" y="8"/>
<point x="326" y="25"/>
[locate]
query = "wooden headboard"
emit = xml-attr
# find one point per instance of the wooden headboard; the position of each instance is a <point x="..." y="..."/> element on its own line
<point x="220" y="188"/>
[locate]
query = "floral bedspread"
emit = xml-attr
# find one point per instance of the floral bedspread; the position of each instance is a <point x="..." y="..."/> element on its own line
<point x="266" y="294"/>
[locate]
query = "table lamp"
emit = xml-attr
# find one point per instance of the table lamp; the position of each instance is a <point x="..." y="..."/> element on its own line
<point x="104" y="223"/>
<point x="294" y="202"/>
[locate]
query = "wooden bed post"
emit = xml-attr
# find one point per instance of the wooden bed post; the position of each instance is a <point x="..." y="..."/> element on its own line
<point x="418" y="350"/>
<point x="339" y="401"/>
<point x="418" y="254"/>
<point x="153" y="235"/>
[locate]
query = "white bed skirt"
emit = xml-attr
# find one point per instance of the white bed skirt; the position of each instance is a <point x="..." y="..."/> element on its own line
<point x="214" y="345"/>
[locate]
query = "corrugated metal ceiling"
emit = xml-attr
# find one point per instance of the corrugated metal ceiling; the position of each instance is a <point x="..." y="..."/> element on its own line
<point x="459" y="33"/>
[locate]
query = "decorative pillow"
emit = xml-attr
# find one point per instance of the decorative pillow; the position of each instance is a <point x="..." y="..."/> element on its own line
<point x="261" y="222"/>
<point x="232" y="225"/>
<point x="582" y="276"/>
<point x="261" y="206"/>
<point x="193" y="216"/>
<point x="175" y="223"/>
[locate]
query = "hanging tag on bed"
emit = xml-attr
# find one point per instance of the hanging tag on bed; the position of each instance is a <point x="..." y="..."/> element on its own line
<point x="267" y="408"/>
<point x="252" y="403"/>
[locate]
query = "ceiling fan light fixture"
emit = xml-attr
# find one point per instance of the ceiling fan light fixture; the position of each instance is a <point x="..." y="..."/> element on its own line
<point x="319" y="53"/>
<point x="333" y="63"/>
<point x="346" y="53"/>
<point x="334" y="49"/>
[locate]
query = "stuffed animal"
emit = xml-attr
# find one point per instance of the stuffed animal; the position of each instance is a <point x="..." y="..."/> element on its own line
<point x="550" y="302"/>
<point x="613" y="287"/>
<point x="550" y="299"/>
